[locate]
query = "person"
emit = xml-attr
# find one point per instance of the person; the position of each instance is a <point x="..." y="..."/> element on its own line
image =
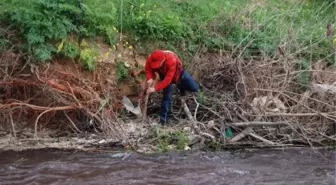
<point x="170" y="69"/>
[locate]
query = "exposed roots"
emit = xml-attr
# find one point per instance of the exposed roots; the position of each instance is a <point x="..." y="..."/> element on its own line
<point x="56" y="96"/>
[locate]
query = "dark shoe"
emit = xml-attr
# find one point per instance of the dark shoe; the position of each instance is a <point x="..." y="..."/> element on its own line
<point x="162" y="122"/>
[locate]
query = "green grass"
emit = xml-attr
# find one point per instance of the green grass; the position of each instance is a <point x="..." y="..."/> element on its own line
<point x="247" y="28"/>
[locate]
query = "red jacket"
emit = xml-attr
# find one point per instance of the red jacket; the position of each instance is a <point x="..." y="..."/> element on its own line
<point x="171" y="69"/>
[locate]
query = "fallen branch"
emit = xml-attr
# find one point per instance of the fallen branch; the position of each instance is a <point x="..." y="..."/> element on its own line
<point x="186" y="110"/>
<point x="13" y="126"/>
<point x="262" y="139"/>
<point x="207" y="135"/>
<point x="73" y="124"/>
<point x="241" y="135"/>
<point x="257" y="123"/>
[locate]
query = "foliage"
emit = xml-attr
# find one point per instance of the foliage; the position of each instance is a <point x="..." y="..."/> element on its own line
<point x="3" y="43"/>
<point x="175" y="139"/>
<point x="41" y="22"/>
<point x="245" y="28"/>
<point x="71" y="49"/>
<point x="112" y="36"/>
<point x="68" y="49"/>
<point x="98" y="17"/>
<point x="88" y="56"/>
<point x="121" y="70"/>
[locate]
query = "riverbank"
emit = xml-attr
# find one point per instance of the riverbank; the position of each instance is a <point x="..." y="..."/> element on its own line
<point x="267" y="73"/>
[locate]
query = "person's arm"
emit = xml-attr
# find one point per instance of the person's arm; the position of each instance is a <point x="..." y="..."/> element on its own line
<point x="170" y="74"/>
<point x="149" y="71"/>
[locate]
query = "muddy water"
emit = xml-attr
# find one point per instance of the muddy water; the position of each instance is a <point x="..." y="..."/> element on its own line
<point x="299" y="166"/>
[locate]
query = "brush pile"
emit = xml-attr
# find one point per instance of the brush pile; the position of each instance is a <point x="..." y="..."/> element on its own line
<point x="264" y="102"/>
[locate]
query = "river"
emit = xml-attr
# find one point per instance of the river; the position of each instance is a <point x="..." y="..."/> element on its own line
<point x="290" y="166"/>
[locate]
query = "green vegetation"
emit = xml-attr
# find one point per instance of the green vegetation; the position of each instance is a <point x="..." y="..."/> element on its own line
<point x="304" y="75"/>
<point x="168" y="140"/>
<point x="88" y="56"/>
<point x="68" y="49"/>
<point x="121" y="70"/>
<point x="41" y="23"/>
<point x="244" y="27"/>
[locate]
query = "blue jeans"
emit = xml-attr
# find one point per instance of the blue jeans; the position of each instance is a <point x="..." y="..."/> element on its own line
<point x="185" y="83"/>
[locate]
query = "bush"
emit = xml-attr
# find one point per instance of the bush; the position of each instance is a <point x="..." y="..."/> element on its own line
<point x="42" y="22"/>
<point x="247" y="29"/>
<point x="121" y="70"/>
<point x="88" y="56"/>
<point x="69" y="49"/>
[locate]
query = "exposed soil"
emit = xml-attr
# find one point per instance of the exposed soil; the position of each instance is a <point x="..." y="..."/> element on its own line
<point x="62" y="105"/>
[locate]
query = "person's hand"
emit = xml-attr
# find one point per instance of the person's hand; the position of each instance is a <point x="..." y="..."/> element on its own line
<point x="150" y="82"/>
<point x="150" y="90"/>
<point x="143" y="85"/>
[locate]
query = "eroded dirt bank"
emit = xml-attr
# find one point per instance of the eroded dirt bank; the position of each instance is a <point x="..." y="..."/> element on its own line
<point x="257" y="102"/>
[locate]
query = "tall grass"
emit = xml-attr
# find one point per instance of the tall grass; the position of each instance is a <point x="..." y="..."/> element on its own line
<point x="244" y="27"/>
<point x="248" y="28"/>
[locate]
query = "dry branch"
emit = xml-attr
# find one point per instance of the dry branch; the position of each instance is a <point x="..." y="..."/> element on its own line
<point x="257" y="123"/>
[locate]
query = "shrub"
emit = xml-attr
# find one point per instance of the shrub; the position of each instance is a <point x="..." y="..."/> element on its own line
<point x="42" y="22"/>
<point x="121" y="70"/>
<point x="88" y="56"/>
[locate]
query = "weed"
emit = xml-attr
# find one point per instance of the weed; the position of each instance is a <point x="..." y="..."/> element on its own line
<point x="88" y="56"/>
<point x="71" y="49"/>
<point x="167" y="140"/>
<point x="68" y="49"/>
<point x="121" y="70"/>
<point x="112" y="36"/>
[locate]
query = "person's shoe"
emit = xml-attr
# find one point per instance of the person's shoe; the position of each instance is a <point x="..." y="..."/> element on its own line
<point x="182" y="93"/>
<point x="163" y="122"/>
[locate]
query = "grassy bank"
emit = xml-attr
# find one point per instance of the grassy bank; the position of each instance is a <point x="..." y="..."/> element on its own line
<point x="302" y="28"/>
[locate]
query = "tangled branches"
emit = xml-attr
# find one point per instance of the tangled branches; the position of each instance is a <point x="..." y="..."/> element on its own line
<point x="59" y="95"/>
<point x="263" y="100"/>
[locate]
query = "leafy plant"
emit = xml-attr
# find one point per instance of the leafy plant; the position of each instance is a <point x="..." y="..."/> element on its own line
<point x="41" y="22"/>
<point x="121" y="70"/>
<point x="71" y="49"/>
<point x="88" y="56"/>
<point x="112" y="35"/>
<point x="177" y="139"/>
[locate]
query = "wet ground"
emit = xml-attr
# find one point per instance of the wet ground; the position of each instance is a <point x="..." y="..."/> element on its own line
<point x="291" y="166"/>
